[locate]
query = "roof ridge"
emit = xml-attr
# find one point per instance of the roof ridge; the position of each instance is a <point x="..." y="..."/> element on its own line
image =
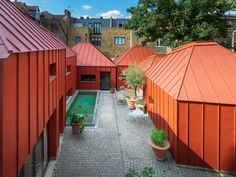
<point x="127" y="52"/>
<point x="185" y="72"/>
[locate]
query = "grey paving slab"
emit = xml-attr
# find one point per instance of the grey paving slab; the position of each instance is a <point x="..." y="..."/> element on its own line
<point x="115" y="146"/>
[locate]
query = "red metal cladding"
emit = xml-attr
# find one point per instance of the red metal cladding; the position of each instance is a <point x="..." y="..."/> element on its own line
<point x="199" y="71"/>
<point x="133" y="55"/>
<point x="146" y="64"/>
<point x="193" y="93"/>
<point x="19" y="33"/>
<point x="88" y="55"/>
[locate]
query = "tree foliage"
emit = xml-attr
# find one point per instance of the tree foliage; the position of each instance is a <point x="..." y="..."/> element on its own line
<point x="180" y="21"/>
<point x="134" y="77"/>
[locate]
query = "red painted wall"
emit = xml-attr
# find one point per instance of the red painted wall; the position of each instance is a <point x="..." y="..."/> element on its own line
<point x="71" y="81"/>
<point x="27" y="101"/>
<point x="84" y="70"/>
<point x="201" y="134"/>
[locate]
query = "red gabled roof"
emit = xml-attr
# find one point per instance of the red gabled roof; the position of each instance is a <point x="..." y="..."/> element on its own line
<point x="133" y="55"/>
<point x="88" y="55"/>
<point x="19" y="33"/>
<point x="146" y="64"/>
<point x="199" y="71"/>
<point x="69" y="52"/>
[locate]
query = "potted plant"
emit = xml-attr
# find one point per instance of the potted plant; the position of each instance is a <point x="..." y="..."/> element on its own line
<point x="130" y="98"/>
<point x="160" y="145"/>
<point x="77" y="122"/>
<point x="113" y="90"/>
<point x="139" y="105"/>
<point x="134" y="77"/>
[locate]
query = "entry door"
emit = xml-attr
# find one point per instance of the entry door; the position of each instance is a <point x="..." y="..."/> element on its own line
<point x="105" y="80"/>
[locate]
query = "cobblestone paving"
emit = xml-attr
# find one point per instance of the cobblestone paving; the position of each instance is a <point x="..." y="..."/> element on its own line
<point x="116" y="145"/>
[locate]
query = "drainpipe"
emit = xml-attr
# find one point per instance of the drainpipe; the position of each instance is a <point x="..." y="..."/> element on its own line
<point x="233" y="33"/>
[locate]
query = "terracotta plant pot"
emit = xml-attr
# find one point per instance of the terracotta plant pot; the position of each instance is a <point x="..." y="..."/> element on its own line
<point x="112" y="91"/>
<point x="75" y="128"/>
<point x="139" y="107"/>
<point x="130" y="103"/>
<point x="160" y="152"/>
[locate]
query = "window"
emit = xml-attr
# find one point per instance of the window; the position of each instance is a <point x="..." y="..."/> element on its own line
<point x="119" y="40"/>
<point x="52" y="71"/>
<point x="120" y="25"/>
<point x="90" y="25"/>
<point x="158" y="43"/>
<point x="97" y="28"/>
<point x="96" y="40"/>
<point x="78" y="24"/>
<point x="77" y="39"/>
<point x="88" y="78"/>
<point x="68" y="69"/>
<point x="229" y="24"/>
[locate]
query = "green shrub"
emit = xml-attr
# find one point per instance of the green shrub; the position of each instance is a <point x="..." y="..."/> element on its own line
<point x="147" y="172"/>
<point x="139" y="102"/>
<point x="129" y="94"/>
<point x="158" y="137"/>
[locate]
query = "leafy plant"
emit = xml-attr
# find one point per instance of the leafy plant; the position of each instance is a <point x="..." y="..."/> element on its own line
<point x="147" y="172"/>
<point x="158" y="137"/>
<point x="112" y="90"/>
<point x="134" y="77"/>
<point x="129" y="94"/>
<point x="139" y="102"/>
<point x="78" y="118"/>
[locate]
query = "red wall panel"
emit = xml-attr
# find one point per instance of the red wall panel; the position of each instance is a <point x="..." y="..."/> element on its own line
<point x="119" y="72"/>
<point x="24" y="106"/>
<point x="227" y="138"/>
<point x="182" y="149"/>
<point x="94" y="71"/>
<point x="40" y="93"/>
<point x="195" y="155"/>
<point x="211" y="136"/>
<point x="23" y="109"/>
<point x="33" y="99"/>
<point x="9" y="115"/>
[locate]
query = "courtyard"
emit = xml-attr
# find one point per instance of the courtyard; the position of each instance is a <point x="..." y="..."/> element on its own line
<point x="115" y="145"/>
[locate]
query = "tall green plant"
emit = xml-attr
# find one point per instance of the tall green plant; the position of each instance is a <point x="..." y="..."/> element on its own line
<point x="134" y="77"/>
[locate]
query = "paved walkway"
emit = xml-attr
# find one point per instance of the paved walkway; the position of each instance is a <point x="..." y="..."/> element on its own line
<point x="115" y="146"/>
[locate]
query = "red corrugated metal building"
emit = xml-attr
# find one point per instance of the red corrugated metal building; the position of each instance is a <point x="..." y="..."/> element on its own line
<point x="32" y="92"/>
<point x="133" y="55"/>
<point x="152" y="60"/>
<point x="95" y="71"/>
<point x="192" y="96"/>
<point x="71" y="71"/>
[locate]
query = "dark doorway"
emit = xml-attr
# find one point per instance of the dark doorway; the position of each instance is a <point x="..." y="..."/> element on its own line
<point x="105" y="80"/>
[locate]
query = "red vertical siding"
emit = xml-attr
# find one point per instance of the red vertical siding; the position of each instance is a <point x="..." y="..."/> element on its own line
<point x="40" y="93"/>
<point x="195" y="155"/>
<point x="9" y="128"/>
<point x="87" y="70"/>
<point x="211" y="136"/>
<point x="227" y="138"/>
<point x="23" y="109"/>
<point x="182" y="149"/>
<point x="33" y="99"/>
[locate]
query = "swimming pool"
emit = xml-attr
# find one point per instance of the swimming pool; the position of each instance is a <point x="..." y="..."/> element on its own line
<point x="85" y="102"/>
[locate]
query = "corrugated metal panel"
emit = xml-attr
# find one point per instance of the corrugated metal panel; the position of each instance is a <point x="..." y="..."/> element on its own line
<point x="88" y="55"/>
<point x="134" y="55"/>
<point x="150" y="61"/>
<point x="69" y="52"/>
<point x="199" y="71"/>
<point x="19" y="33"/>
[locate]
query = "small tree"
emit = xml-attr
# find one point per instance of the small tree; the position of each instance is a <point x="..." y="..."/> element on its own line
<point x="134" y="77"/>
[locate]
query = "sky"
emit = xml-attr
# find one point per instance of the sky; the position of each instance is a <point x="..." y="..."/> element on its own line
<point x="91" y="8"/>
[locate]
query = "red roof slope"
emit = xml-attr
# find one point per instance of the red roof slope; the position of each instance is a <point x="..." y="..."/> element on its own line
<point x="88" y="55"/>
<point x="19" y="33"/>
<point x="199" y="71"/>
<point x="69" y="52"/>
<point x="134" y="55"/>
<point x="150" y="61"/>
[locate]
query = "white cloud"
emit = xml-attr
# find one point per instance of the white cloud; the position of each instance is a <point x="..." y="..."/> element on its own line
<point x="113" y="13"/>
<point x="87" y="7"/>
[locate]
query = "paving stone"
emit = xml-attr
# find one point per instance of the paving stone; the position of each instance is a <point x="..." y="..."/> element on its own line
<point x="113" y="147"/>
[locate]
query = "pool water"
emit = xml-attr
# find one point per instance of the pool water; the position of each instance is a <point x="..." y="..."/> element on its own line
<point x="85" y="103"/>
